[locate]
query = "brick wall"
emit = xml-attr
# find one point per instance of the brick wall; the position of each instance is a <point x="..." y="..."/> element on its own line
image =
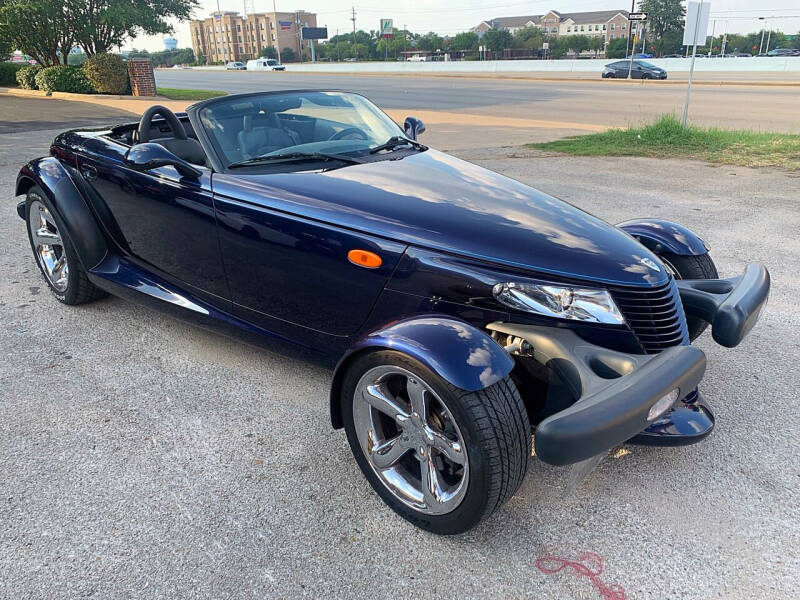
<point x="143" y="83"/>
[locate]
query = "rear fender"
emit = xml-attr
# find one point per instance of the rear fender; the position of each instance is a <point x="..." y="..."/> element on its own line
<point x="661" y="236"/>
<point x="71" y="208"/>
<point x="461" y="354"/>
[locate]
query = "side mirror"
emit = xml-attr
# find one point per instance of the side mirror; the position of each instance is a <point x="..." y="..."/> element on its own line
<point x="144" y="157"/>
<point x="413" y="127"/>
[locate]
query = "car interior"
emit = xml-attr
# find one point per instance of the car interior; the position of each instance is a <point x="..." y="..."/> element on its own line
<point x="251" y="127"/>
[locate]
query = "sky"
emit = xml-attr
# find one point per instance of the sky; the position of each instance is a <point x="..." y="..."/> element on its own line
<point x="448" y="17"/>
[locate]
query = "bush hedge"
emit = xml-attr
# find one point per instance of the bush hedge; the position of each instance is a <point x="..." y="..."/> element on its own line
<point x="26" y="77"/>
<point x="107" y="73"/>
<point x="63" y="79"/>
<point x="8" y="73"/>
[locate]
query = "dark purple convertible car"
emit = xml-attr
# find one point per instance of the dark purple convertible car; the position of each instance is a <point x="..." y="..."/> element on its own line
<point x="461" y="310"/>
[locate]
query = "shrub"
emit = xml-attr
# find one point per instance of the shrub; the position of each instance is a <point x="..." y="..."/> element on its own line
<point x="8" y="72"/>
<point x="107" y="73"/>
<point x="26" y="77"/>
<point x="63" y="79"/>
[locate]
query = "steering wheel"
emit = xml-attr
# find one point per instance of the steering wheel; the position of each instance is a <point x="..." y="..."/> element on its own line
<point x="347" y="131"/>
<point x="146" y="123"/>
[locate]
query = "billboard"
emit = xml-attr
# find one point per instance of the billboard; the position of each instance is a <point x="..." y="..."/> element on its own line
<point x="315" y="33"/>
<point x="387" y="28"/>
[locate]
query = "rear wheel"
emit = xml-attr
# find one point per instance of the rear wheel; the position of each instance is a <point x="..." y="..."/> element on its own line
<point x="441" y="457"/>
<point x="691" y="267"/>
<point x="55" y="254"/>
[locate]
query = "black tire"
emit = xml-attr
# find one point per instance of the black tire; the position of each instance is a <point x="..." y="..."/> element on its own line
<point x="647" y="76"/>
<point x="79" y="289"/>
<point x="496" y="433"/>
<point x="691" y="267"/>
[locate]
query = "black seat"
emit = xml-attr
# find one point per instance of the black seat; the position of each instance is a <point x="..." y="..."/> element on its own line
<point x="263" y="133"/>
<point x="180" y="144"/>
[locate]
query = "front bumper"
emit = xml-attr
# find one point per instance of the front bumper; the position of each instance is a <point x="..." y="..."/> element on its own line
<point x="614" y="392"/>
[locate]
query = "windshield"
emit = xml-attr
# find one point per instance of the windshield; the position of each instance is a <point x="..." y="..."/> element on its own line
<point x="341" y="123"/>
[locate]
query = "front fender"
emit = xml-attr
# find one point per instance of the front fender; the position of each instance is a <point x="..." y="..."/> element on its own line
<point x="461" y="354"/>
<point x="70" y="207"/>
<point x="660" y="236"/>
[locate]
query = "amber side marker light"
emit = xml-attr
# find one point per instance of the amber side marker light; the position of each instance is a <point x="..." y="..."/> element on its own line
<point x="364" y="258"/>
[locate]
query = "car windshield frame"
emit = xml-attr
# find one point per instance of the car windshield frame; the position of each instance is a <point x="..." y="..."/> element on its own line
<point x="205" y="122"/>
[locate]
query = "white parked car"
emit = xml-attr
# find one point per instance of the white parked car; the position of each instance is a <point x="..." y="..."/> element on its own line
<point x="418" y="58"/>
<point x="265" y="64"/>
<point x="235" y="66"/>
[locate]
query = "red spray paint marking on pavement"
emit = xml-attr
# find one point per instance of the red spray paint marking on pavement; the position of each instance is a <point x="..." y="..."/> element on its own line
<point x="589" y="565"/>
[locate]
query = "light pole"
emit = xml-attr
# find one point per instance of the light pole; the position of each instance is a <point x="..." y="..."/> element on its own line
<point x="276" y="27"/>
<point x="761" y="45"/>
<point x="713" y="28"/>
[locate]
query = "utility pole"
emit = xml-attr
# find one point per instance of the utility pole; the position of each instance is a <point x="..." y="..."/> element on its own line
<point x="276" y="27"/>
<point x="713" y="29"/>
<point x="769" y="35"/>
<point x="691" y="67"/>
<point x="761" y="45"/>
<point x="628" y="43"/>
<point x="355" y="45"/>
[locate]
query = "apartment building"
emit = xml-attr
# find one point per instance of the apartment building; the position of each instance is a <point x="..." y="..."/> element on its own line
<point x="608" y="24"/>
<point x="228" y="36"/>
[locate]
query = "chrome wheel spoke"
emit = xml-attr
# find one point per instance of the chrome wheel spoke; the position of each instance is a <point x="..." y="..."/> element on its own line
<point x="431" y="488"/>
<point x="386" y="454"/>
<point x="452" y="451"/>
<point x="418" y="418"/>
<point x="416" y="395"/>
<point x="45" y="237"/>
<point x="380" y="400"/>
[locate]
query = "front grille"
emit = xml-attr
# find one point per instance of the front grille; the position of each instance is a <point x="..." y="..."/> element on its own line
<point x="654" y="314"/>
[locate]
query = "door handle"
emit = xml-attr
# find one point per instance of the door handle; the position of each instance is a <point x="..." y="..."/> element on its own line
<point x="89" y="172"/>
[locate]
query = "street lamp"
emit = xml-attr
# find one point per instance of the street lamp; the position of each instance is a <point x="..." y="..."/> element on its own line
<point x="761" y="45"/>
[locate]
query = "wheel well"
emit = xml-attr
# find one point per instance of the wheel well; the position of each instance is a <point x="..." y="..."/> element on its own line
<point x="336" y="384"/>
<point x="23" y="185"/>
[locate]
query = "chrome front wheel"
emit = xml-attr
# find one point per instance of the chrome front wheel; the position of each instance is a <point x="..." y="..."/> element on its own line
<point x="48" y="246"/>
<point x="410" y="440"/>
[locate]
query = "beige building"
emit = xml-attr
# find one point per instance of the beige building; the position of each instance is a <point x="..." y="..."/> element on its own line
<point x="228" y="36"/>
<point x="608" y="24"/>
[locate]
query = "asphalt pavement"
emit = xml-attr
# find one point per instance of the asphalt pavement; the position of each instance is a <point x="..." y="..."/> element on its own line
<point x="144" y="458"/>
<point x="604" y="102"/>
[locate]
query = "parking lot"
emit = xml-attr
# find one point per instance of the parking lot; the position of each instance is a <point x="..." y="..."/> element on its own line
<point x="143" y="458"/>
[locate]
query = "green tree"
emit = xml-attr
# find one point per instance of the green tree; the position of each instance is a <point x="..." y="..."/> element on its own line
<point x="269" y="52"/>
<point x="616" y="48"/>
<point x="597" y="43"/>
<point x="663" y="16"/>
<point x="498" y="40"/>
<point x="101" y="25"/>
<point x="430" y="42"/>
<point x="530" y="38"/>
<point x="578" y="43"/>
<point x="467" y="40"/>
<point x="288" y="55"/>
<point x="39" y="28"/>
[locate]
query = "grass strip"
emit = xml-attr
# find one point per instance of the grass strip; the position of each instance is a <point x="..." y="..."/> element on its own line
<point x="666" y="139"/>
<point x="181" y="94"/>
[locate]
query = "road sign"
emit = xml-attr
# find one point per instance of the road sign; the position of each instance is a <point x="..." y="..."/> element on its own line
<point x="314" y="33"/>
<point x="387" y="28"/>
<point x="637" y="17"/>
<point x="696" y="30"/>
<point x="545" y="46"/>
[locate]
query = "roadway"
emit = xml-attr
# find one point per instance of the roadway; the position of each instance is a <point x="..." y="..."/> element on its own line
<point x="567" y="106"/>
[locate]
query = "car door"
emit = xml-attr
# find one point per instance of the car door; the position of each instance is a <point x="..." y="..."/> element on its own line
<point x="163" y="221"/>
<point x="290" y="274"/>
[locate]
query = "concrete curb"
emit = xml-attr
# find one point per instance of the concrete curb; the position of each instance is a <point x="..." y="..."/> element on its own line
<point x="68" y="96"/>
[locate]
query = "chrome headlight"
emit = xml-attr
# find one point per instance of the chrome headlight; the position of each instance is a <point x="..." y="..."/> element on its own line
<point x="560" y="301"/>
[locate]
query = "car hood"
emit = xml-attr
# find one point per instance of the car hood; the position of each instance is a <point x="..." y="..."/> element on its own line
<point x="433" y="200"/>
